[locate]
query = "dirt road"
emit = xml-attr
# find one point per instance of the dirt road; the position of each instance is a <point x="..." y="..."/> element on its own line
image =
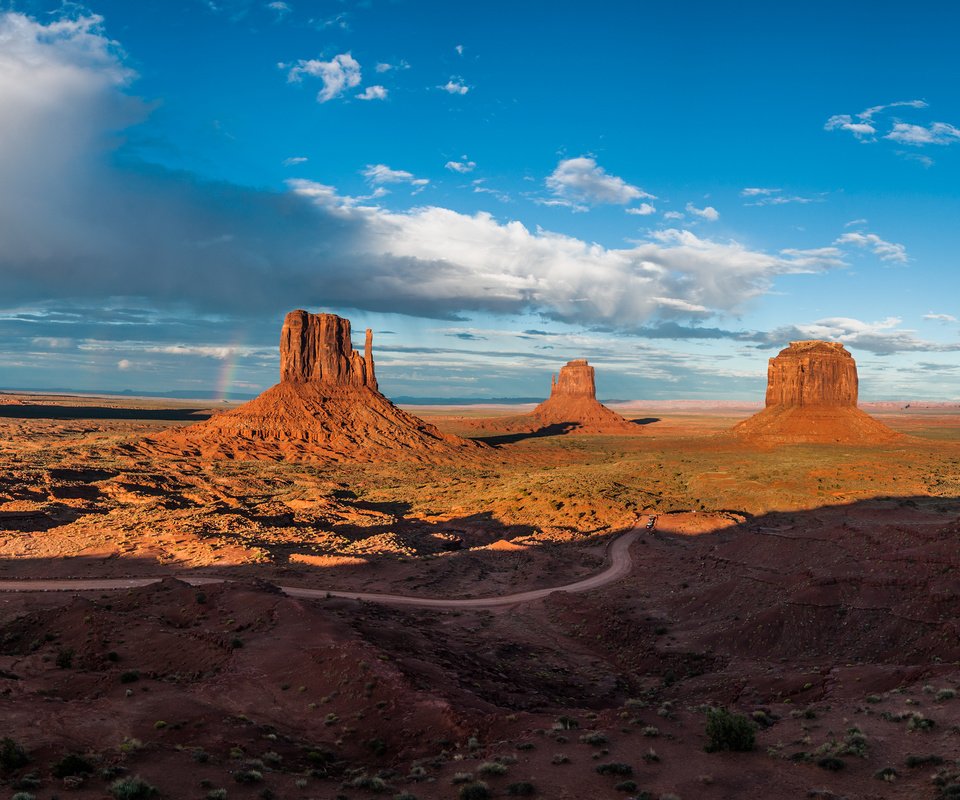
<point x="619" y="567"/>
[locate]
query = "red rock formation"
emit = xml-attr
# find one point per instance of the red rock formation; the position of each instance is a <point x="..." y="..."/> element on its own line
<point x="316" y="348"/>
<point x="326" y="407"/>
<point x="812" y="398"/>
<point x="576" y="380"/>
<point x="571" y="408"/>
<point x="812" y="373"/>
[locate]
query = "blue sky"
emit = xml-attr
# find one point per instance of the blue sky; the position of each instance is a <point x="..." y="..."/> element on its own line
<point x="671" y="191"/>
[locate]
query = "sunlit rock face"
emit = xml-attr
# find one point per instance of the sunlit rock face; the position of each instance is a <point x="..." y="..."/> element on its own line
<point x="812" y="373"/>
<point x="316" y="348"/>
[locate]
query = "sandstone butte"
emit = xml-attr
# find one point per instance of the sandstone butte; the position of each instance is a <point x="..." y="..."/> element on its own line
<point x="573" y="401"/>
<point x="812" y="392"/>
<point x="571" y="408"/>
<point x="326" y="407"/>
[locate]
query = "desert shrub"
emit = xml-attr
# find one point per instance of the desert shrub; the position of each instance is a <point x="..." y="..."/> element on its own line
<point x="129" y="676"/>
<point x="946" y="694"/>
<point x="12" y="755"/>
<point x="135" y="788"/>
<point x="559" y="758"/>
<point x="492" y="768"/>
<point x="521" y="789"/>
<point x="831" y="763"/>
<point x="526" y="746"/>
<point x="729" y="731"/>
<point x="918" y="722"/>
<point x="24" y="796"/>
<point x="64" y="658"/>
<point x="248" y="776"/>
<point x="404" y="796"/>
<point x="72" y="764"/>
<point x="565" y="723"/>
<point x="626" y="786"/>
<point x="372" y="783"/>
<point x="475" y="791"/>
<point x="923" y="761"/>
<point x="615" y="768"/>
<point x="461" y="777"/>
<point x="886" y="774"/>
<point x="594" y="738"/>
<point x="217" y="794"/>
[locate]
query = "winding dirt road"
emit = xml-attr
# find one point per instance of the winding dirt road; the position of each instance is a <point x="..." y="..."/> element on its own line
<point x="618" y="552"/>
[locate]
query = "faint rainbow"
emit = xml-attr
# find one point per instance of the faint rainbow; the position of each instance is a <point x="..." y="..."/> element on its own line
<point x="228" y="368"/>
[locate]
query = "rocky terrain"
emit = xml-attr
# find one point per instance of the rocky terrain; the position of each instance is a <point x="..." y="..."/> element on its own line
<point x="785" y="625"/>
<point x="812" y="392"/>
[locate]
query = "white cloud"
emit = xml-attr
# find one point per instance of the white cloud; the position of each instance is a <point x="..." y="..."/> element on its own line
<point x="887" y="251"/>
<point x="709" y="213"/>
<point x="642" y="210"/>
<point x="172" y="240"/>
<point x="124" y="363"/>
<point x="773" y="197"/>
<point x="459" y="49"/>
<point x="280" y="7"/>
<point x="385" y="67"/>
<point x="854" y="223"/>
<point x="673" y="215"/>
<point x="462" y="166"/>
<point x="865" y="128"/>
<point x="455" y="86"/>
<point x="919" y="135"/>
<point x="582" y="181"/>
<point x="883" y="337"/>
<point x="294" y="160"/>
<point x="379" y="174"/>
<point x="373" y="93"/>
<point x="480" y="188"/>
<point x="947" y="318"/>
<point x="340" y="73"/>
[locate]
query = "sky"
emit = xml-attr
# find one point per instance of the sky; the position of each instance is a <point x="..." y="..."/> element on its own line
<point x="672" y="191"/>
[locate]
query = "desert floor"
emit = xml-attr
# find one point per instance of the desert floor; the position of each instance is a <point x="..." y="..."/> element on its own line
<point x="813" y="589"/>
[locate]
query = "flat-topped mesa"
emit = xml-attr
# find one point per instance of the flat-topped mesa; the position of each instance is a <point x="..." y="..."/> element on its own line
<point x="812" y="399"/>
<point x="576" y="380"/>
<point x="812" y="373"/>
<point x="316" y="348"/>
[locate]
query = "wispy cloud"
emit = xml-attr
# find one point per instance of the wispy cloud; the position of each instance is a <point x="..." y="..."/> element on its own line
<point x="760" y="196"/>
<point x="887" y="251"/>
<point x="581" y="181"/>
<point x="642" y="210"/>
<point x="709" y="213"/>
<point x="294" y="160"/>
<point x="462" y="166"/>
<point x="865" y="127"/>
<point x="945" y="318"/>
<point x="883" y="337"/>
<point x="380" y="174"/>
<point x="340" y="73"/>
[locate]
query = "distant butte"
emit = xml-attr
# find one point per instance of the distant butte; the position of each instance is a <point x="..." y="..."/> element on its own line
<point x="812" y="390"/>
<point x="573" y="401"/>
<point x="327" y="406"/>
<point x="571" y="408"/>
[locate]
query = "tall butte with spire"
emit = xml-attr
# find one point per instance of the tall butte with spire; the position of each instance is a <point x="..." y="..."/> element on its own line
<point x="812" y="390"/>
<point x="327" y="406"/>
